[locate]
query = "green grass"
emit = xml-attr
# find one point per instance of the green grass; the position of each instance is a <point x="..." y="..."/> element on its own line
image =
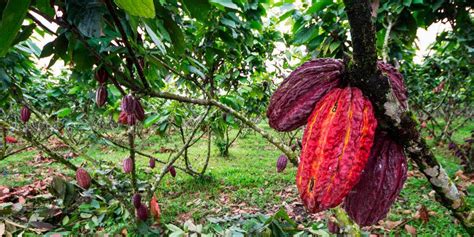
<point x="246" y="180"/>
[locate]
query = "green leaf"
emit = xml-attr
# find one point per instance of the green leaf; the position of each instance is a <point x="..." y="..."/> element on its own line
<point x="143" y="8"/>
<point x="318" y="6"/>
<point x="151" y="120"/>
<point x="304" y="35"/>
<point x="198" y="9"/>
<point x="63" y="112"/>
<point x="176" y="34"/>
<point x="12" y="18"/>
<point x="25" y="33"/>
<point x="225" y="4"/>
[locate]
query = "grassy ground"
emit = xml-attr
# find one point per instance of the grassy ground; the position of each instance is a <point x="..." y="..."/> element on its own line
<point x="247" y="182"/>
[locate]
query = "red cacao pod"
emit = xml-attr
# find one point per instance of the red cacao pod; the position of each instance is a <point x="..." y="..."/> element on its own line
<point x="101" y="75"/>
<point x="127" y="165"/>
<point x="155" y="209"/>
<point x="152" y="163"/>
<point x="380" y="183"/>
<point x="25" y="114"/>
<point x="122" y="118"/>
<point x="142" y="212"/>
<point x="281" y="163"/>
<point x="11" y="140"/>
<point x="336" y="146"/>
<point x="396" y="82"/>
<point x="172" y="171"/>
<point x="136" y="200"/>
<point x="101" y="95"/>
<point x="293" y="101"/>
<point x="83" y="178"/>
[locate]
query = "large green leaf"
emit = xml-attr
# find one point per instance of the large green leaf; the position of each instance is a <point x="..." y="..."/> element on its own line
<point x="143" y="8"/>
<point x="198" y="9"/>
<point x="12" y="18"/>
<point x="225" y="4"/>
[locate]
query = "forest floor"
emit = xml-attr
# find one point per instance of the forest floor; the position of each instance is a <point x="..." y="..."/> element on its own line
<point x="246" y="182"/>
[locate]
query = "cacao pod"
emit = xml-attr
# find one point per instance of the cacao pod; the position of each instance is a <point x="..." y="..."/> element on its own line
<point x="122" y="118"/>
<point x="139" y="112"/>
<point x="10" y="139"/>
<point x="333" y="227"/>
<point x="101" y="95"/>
<point x="336" y="146"/>
<point x="83" y="178"/>
<point x="172" y="171"/>
<point x="25" y="114"/>
<point x="380" y="183"/>
<point x="136" y="200"/>
<point x="155" y="209"/>
<point x="101" y="75"/>
<point x="127" y="165"/>
<point x="281" y="163"/>
<point x="293" y="101"/>
<point x="396" y="82"/>
<point x="142" y="212"/>
<point x="152" y="163"/>
<point x="131" y="119"/>
<point x="128" y="104"/>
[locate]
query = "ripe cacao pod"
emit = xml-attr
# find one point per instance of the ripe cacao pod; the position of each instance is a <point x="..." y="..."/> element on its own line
<point x="172" y="171"/>
<point x="396" y="82"/>
<point x="155" y="209"/>
<point x="128" y="104"/>
<point x="336" y="146"/>
<point x="136" y="200"/>
<point x="131" y="119"/>
<point x="101" y="95"/>
<point x="101" y="75"/>
<point x="127" y="165"/>
<point x="142" y="212"/>
<point x="25" y="114"/>
<point x="281" y="163"/>
<point x="293" y="101"/>
<point x="122" y="118"/>
<point x="152" y="163"/>
<point x="11" y="140"/>
<point x="139" y="112"/>
<point x="83" y="178"/>
<point x="380" y="182"/>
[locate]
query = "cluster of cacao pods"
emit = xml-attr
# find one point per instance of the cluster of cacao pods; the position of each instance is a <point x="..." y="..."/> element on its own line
<point x="83" y="178"/>
<point x="142" y="210"/>
<point x="343" y="158"/>
<point x="132" y="110"/>
<point x="101" y="94"/>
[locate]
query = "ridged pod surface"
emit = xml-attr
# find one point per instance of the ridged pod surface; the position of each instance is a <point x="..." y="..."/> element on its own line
<point x="127" y="165"/>
<point x="101" y="95"/>
<point x="83" y="178"/>
<point x="137" y="200"/>
<point x="139" y="111"/>
<point x="281" y="163"/>
<point x="128" y="104"/>
<point x="396" y="81"/>
<point x="25" y="114"/>
<point x="380" y="183"/>
<point x="336" y="146"/>
<point x="293" y="101"/>
<point x="142" y="212"/>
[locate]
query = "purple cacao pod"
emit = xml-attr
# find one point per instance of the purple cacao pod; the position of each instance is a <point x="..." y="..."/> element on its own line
<point x="83" y="178"/>
<point x="380" y="183"/>
<point x="396" y="81"/>
<point x="136" y="200"/>
<point x="142" y="212"/>
<point x="127" y="165"/>
<point x="101" y="95"/>
<point x="293" y="101"/>
<point x="101" y="75"/>
<point x="131" y="119"/>
<point x="139" y="112"/>
<point x="333" y="227"/>
<point x="451" y="146"/>
<point x="281" y="163"/>
<point x="152" y="163"/>
<point x="128" y="104"/>
<point x="172" y="171"/>
<point x="25" y="114"/>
